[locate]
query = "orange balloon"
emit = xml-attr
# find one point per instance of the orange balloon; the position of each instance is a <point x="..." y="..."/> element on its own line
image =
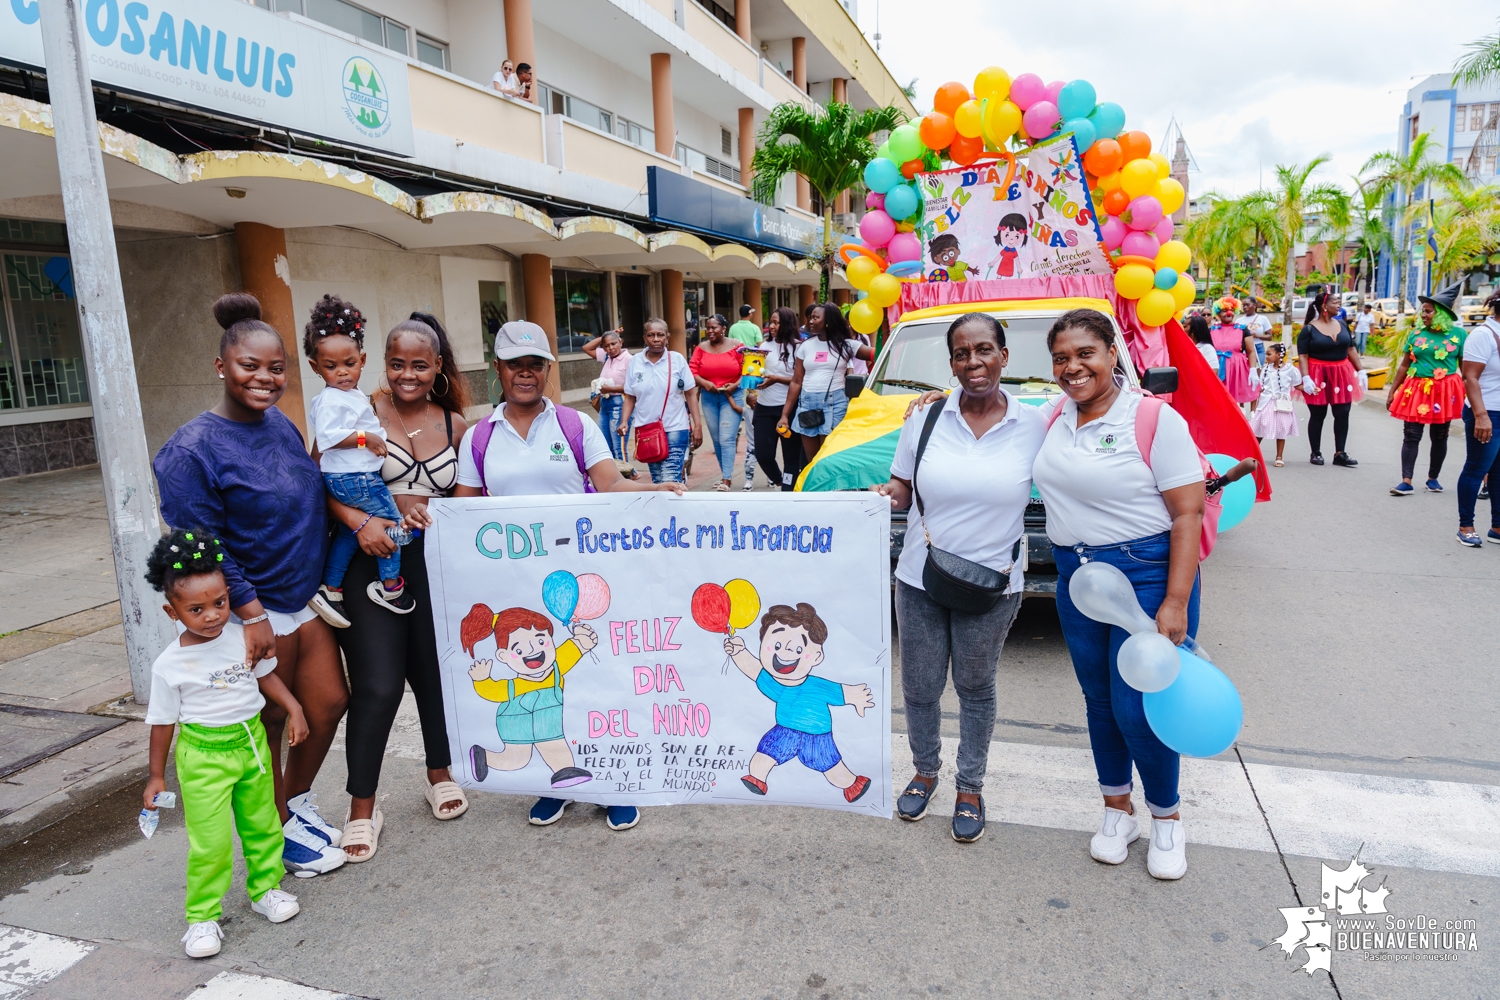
<point x="1103" y="157"/>
<point x="964" y="149"/>
<point x="936" y="130"/>
<point x="911" y="168"/>
<point x="1134" y="146"/>
<point x="1116" y="202"/>
<point x="949" y="96"/>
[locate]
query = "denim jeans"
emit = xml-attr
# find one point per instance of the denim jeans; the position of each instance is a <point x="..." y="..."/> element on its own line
<point x="364" y="491"/>
<point x="1482" y="460"/>
<point x="1118" y="731"/>
<point x="931" y="638"/>
<point x="723" y="425"/>
<point x="610" y="408"/>
<point x="670" y="469"/>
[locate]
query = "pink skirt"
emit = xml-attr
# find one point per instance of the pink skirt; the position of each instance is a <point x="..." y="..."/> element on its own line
<point x="1237" y="378"/>
<point x="1268" y="422"/>
<point x="1339" y="380"/>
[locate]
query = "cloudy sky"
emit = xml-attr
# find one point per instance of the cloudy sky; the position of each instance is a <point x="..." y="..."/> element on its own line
<point x="1252" y="85"/>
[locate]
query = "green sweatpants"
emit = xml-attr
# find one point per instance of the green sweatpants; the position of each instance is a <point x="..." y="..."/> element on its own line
<point x="226" y="780"/>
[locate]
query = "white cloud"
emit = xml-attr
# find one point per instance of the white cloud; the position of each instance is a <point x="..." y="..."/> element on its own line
<point x="1251" y="84"/>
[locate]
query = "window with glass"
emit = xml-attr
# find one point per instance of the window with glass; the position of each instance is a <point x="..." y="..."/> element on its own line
<point x="494" y="311"/>
<point x="431" y="52"/>
<point x="559" y="102"/>
<point x="724" y="300"/>
<point x="695" y="310"/>
<point x="1476" y="117"/>
<point x="347" y="17"/>
<point x="41" y="343"/>
<point x="578" y="300"/>
<point x="630" y="301"/>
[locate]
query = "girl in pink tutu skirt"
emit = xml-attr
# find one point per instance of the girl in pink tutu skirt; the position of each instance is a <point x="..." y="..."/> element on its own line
<point x="1274" y="416"/>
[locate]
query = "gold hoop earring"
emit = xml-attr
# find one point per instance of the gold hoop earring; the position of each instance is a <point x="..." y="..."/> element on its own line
<point x="447" y="385"/>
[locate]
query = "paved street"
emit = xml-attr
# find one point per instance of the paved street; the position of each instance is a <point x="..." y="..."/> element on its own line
<point x="1356" y="629"/>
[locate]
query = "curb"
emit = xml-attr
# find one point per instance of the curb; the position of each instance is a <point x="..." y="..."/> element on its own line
<point x="81" y="775"/>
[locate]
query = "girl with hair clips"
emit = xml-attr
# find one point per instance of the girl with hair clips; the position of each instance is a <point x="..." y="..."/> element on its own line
<point x="240" y="471"/>
<point x="1328" y="362"/>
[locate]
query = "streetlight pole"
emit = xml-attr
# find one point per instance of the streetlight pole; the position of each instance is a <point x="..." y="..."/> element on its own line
<point x="119" y="432"/>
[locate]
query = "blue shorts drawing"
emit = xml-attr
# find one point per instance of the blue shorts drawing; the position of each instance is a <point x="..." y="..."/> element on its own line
<point x="816" y="750"/>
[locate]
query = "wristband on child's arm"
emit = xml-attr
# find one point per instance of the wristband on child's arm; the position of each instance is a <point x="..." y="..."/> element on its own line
<point x="359" y="439"/>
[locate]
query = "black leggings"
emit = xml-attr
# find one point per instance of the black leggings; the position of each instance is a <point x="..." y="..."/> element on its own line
<point x="1316" y="414"/>
<point x="384" y="652"/>
<point x="1412" y="436"/>
<point x="766" y="438"/>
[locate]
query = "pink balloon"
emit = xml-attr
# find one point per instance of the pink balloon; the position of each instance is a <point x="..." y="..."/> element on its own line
<point x="874" y="200"/>
<point x="1139" y="244"/>
<point x="1144" y="213"/>
<point x="877" y="228"/>
<point x="1165" y="230"/>
<point x="593" y="597"/>
<point x="1054" y="90"/>
<point x="1026" y="90"/>
<point x="903" y="246"/>
<point x="1040" y="119"/>
<point x="1114" y="232"/>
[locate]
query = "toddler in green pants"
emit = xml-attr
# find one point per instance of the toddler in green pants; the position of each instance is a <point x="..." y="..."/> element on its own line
<point x="202" y="683"/>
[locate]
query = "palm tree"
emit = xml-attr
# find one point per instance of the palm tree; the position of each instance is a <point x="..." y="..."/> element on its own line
<point x="830" y="146"/>
<point x="1468" y="230"/>
<point x="1481" y="65"/>
<point x="1369" y="231"/>
<point x="1405" y="176"/>
<point x="1289" y="209"/>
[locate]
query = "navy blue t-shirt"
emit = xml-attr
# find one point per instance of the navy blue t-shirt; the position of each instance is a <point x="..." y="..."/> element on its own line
<point x="257" y="489"/>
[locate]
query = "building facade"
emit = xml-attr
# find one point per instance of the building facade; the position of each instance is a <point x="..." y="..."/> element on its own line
<point x="293" y="148"/>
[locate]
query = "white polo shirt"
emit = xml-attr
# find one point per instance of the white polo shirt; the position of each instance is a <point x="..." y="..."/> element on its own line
<point x="974" y="489"/>
<point x="646" y="380"/>
<point x="1480" y="347"/>
<point x="1097" y="489"/>
<point x="540" y="465"/>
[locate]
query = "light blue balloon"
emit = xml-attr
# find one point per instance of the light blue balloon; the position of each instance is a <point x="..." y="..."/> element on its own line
<point x="1076" y="99"/>
<point x="1108" y="118"/>
<point x="881" y="175"/>
<point x="1200" y="713"/>
<point x="1165" y="278"/>
<point x="1083" y="131"/>
<point x="560" y="594"/>
<point x="901" y="201"/>
<point x="1238" y="498"/>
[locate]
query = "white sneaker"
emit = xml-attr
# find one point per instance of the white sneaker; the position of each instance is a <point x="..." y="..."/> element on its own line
<point x="329" y="605"/>
<point x="276" y="906"/>
<point x="202" y="939"/>
<point x="306" y="808"/>
<point x="305" y="853"/>
<point x="1111" y="844"/>
<point x="1167" y="858"/>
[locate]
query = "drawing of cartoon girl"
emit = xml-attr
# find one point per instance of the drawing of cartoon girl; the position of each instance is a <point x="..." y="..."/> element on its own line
<point x="1011" y="237"/>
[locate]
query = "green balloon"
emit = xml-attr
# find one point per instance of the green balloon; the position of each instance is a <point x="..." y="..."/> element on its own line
<point x="905" y="143"/>
<point x="884" y="152"/>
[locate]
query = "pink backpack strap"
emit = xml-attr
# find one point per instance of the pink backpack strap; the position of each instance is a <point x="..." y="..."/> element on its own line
<point x="1147" y="415"/>
<point x="478" y="445"/>
<point x="1056" y="411"/>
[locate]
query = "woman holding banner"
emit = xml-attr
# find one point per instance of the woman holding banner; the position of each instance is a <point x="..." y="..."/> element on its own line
<point x="510" y="453"/>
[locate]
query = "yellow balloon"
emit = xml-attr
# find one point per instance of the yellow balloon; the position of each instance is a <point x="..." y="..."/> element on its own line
<point x="1000" y="120"/>
<point x="1155" y="307"/>
<point x="1185" y="291"/>
<point x="1174" y="254"/>
<point x="1163" y="168"/>
<point x="744" y="603"/>
<point x="1134" y="280"/>
<point x="865" y="316"/>
<point x="1139" y="177"/>
<point x="885" y="290"/>
<point x="1170" y="193"/>
<point x="966" y="119"/>
<point x="860" y="271"/>
<point x="992" y="82"/>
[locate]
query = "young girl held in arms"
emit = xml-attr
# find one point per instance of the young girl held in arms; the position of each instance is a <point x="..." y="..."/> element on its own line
<point x="202" y="683"/>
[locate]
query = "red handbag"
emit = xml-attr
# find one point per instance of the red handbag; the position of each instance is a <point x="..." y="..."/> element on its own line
<point x="651" y="439"/>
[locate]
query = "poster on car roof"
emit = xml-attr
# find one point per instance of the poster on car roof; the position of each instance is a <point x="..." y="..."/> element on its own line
<point x="648" y="649"/>
<point x="993" y="221"/>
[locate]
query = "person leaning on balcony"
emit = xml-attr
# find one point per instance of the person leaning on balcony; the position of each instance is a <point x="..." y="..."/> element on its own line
<point x="506" y="80"/>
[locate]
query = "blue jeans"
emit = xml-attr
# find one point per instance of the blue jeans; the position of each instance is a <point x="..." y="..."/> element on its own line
<point x="1118" y="731"/>
<point x="1483" y="460"/>
<point x="610" y="408"/>
<point x="670" y="469"/>
<point x="364" y="491"/>
<point x="723" y="425"/>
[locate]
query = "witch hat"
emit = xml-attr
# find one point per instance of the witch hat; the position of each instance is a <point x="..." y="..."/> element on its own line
<point x="1444" y="299"/>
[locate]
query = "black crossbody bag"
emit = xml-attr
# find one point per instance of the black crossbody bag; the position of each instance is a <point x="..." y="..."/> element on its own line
<point x="956" y="583"/>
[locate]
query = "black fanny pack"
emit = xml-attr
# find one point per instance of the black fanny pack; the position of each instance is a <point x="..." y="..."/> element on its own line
<point x="952" y="581"/>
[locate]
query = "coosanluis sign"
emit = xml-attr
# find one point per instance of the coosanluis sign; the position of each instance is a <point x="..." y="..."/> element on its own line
<point x="236" y="59"/>
<point x="680" y="201"/>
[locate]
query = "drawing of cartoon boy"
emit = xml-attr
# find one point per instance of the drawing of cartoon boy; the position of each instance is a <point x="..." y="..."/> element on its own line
<point x="791" y="645"/>
<point x="1011" y="237"/>
<point x="531" y="703"/>
<point x="944" y="252"/>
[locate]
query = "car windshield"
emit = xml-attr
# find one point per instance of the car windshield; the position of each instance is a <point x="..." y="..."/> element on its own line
<point x="1469" y="301"/>
<point x="918" y="356"/>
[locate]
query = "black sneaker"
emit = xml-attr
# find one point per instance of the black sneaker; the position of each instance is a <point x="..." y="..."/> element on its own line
<point x="1342" y="458"/>
<point x="328" y="602"/>
<point x="1316" y="458"/>
<point x="968" y="822"/>
<point x="913" y="803"/>
<point x="397" y="601"/>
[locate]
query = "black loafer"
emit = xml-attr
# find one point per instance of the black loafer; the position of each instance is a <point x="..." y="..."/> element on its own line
<point x="1316" y="458"/>
<point x="968" y="822"/>
<point x="914" y="800"/>
<point x="1342" y="458"/>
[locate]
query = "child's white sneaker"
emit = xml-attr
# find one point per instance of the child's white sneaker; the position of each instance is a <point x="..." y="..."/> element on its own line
<point x="1167" y="858"/>
<point x="202" y="939"/>
<point x="1111" y="844"/>
<point x="276" y="906"/>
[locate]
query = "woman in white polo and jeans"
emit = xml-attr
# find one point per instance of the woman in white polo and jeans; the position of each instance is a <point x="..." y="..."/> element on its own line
<point x="524" y="433"/>
<point x="659" y="386"/>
